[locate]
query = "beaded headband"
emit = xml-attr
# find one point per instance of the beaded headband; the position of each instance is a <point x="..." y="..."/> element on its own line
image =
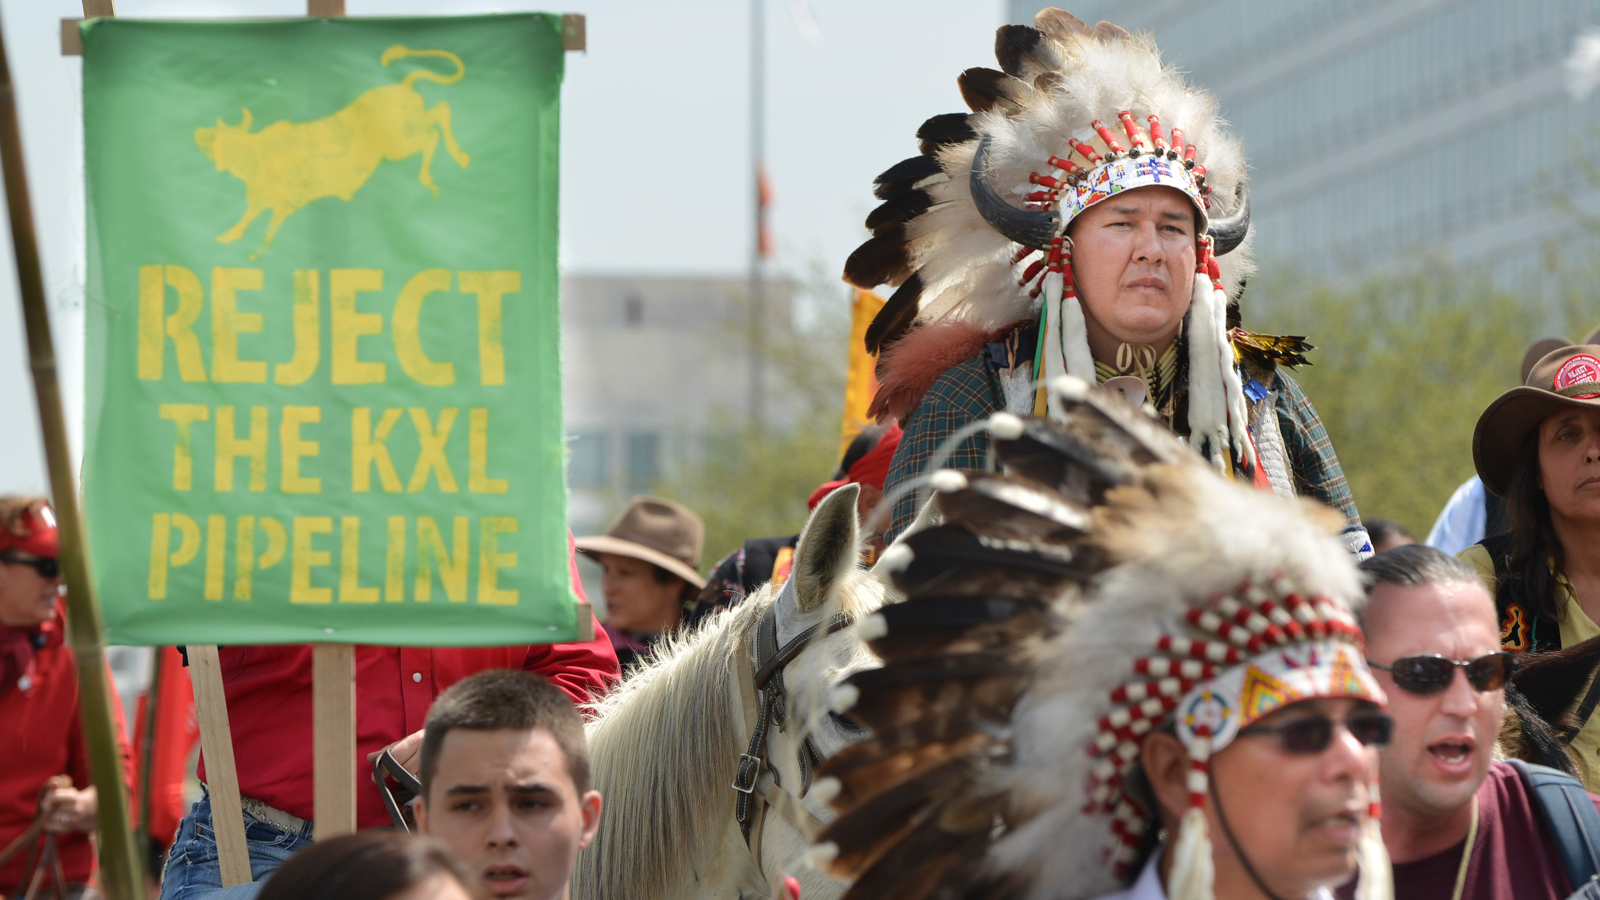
<point x="1075" y="188"/>
<point x="1265" y="646"/>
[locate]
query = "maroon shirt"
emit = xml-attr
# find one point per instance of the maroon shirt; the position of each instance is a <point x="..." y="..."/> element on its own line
<point x="1514" y="855"/>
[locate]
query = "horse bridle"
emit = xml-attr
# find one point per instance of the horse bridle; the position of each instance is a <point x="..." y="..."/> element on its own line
<point x="770" y="701"/>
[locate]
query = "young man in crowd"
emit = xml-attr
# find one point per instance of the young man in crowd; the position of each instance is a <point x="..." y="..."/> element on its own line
<point x="1457" y="825"/>
<point x="269" y="714"/>
<point x="505" y="782"/>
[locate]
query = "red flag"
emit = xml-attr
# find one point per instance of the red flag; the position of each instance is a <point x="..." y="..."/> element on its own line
<point x="176" y="733"/>
<point x="764" y="198"/>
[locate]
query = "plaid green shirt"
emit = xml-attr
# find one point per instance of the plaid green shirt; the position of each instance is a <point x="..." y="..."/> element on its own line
<point x="971" y="391"/>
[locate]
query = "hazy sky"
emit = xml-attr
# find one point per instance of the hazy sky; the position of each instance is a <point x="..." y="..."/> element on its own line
<point x="655" y="141"/>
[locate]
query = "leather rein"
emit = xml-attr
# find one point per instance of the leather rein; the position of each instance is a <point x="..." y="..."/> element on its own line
<point x="765" y="693"/>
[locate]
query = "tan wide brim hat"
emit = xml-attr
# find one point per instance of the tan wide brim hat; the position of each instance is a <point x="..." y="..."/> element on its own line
<point x="1567" y="378"/>
<point x="656" y="531"/>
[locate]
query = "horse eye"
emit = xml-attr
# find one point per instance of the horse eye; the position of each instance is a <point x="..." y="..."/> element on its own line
<point x="846" y="723"/>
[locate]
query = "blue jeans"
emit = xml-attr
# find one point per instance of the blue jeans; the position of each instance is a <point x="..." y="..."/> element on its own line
<point x="193" y="871"/>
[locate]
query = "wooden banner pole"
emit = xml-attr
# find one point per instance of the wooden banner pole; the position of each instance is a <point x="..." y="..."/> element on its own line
<point x="121" y="874"/>
<point x="222" y="776"/>
<point x="333" y="738"/>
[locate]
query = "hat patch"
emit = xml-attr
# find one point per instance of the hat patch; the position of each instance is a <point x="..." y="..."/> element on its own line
<point x="1582" y="369"/>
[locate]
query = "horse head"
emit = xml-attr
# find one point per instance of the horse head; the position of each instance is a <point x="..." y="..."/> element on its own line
<point x="668" y="748"/>
<point x="826" y="585"/>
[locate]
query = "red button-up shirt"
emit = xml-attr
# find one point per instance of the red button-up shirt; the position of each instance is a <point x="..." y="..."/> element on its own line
<point x="41" y="735"/>
<point x="269" y="705"/>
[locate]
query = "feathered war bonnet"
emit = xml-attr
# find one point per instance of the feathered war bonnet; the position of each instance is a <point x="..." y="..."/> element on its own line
<point x="1222" y="605"/>
<point x="975" y="229"/>
<point x="1105" y="584"/>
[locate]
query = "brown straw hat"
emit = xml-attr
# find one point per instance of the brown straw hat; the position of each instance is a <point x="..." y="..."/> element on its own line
<point x="657" y="531"/>
<point x="1567" y="378"/>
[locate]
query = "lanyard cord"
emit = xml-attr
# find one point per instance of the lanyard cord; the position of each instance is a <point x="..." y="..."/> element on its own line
<point x="1466" y="852"/>
<point x="1238" y="851"/>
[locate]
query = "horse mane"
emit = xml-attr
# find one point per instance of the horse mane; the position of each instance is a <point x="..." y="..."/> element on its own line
<point x="662" y="747"/>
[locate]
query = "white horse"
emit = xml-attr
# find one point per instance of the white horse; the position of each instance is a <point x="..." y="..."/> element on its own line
<point x="667" y="745"/>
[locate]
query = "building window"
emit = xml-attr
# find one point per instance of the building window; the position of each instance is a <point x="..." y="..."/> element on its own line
<point x="633" y="310"/>
<point x="589" y="460"/>
<point x="644" y="460"/>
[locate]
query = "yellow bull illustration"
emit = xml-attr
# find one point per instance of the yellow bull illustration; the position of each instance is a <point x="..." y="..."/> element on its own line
<point x="287" y="165"/>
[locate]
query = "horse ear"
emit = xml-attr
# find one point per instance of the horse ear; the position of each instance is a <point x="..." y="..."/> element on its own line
<point x="244" y="123"/>
<point x="828" y="548"/>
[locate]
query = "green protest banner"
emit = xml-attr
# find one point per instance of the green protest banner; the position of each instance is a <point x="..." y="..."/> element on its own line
<point x="324" y="395"/>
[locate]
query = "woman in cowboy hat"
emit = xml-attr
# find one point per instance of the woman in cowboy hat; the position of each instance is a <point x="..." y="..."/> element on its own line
<point x="650" y="555"/>
<point x="1538" y="446"/>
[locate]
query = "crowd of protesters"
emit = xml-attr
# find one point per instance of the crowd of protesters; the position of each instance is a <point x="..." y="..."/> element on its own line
<point x="1511" y="571"/>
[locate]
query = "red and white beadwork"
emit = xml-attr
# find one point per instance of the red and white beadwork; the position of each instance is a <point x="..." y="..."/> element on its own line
<point x="1258" y="648"/>
<point x="1073" y="187"/>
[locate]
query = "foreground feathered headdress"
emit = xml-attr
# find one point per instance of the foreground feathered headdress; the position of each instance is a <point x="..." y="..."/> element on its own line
<point x="1107" y="584"/>
<point x="975" y="228"/>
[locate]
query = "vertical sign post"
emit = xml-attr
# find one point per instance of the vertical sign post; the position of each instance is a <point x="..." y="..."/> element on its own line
<point x="122" y="875"/>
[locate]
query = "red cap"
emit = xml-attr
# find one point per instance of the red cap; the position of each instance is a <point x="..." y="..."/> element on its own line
<point x="34" y="532"/>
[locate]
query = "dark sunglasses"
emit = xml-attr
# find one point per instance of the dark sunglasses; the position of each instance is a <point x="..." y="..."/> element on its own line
<point x="46" y="567"/>
<point x="1313" y="735"/>
<point x="1431" y="674"/>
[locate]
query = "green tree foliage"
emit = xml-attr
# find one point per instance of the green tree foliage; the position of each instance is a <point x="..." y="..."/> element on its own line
<point x="1405" y="363"/>
<point x="747" y="481"/>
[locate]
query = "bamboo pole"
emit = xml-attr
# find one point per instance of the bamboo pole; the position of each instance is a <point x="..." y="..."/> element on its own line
<point x="121" y="875"/>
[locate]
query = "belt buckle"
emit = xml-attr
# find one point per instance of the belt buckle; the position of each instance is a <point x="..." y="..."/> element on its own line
<point x="749" y="768"/>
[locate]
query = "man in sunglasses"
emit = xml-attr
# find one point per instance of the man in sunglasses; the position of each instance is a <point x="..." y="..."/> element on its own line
<point x="1457" y="824"/>
<point x="44" y="773"/>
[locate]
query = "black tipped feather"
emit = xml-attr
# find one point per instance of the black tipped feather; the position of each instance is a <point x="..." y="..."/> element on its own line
<point x="898" y="312"/>
<point x="901" y="209"/>
<point x="985" y="89"/>
<point x="949" y="128"/>
<point x="904" y="175"/>
<point x="885" y="259"/>
<point x="1025" y="52"/>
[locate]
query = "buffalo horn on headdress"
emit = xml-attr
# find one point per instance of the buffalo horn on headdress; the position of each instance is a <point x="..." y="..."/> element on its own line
<point x="1026" y="227"/>
<point x="1229" y="233"/>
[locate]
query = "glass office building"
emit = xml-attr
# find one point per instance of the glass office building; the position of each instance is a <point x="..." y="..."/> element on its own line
<point x="1377" y="129"/>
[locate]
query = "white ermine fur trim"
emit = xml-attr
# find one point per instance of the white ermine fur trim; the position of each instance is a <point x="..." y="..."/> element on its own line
<point x="1054" y="363"/>
<point x="1193" y="870"/>
<point x="1080" y="361"/>
<point x="1208" y="407"/>
<point x="1372" y="859"/>
<point x="1233" y="388"/>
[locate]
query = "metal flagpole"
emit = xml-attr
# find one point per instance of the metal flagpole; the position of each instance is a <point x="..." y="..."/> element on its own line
<point x="758" y="300"/>
<point x="121" y="875"/>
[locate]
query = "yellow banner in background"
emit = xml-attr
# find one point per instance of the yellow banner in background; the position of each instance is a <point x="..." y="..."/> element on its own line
<point x="861" y="384"/>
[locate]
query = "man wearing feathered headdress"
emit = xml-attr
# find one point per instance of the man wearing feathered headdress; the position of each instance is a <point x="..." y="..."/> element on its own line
<point x="1088" y="217"/>
<point x="1114" y="675"/>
